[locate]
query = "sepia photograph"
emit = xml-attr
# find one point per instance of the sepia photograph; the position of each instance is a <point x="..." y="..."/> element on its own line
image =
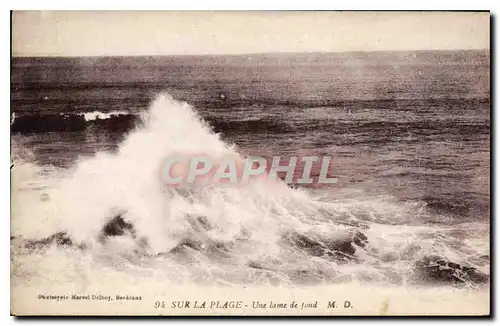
<point x="250" y="163"/>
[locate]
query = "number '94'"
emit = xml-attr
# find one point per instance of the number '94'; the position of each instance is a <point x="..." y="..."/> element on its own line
<point x="159" y="304"/>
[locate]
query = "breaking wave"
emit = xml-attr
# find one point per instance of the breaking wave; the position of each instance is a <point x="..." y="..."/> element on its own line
<point x="90" y="116"/>
<point x="114" y="208"/>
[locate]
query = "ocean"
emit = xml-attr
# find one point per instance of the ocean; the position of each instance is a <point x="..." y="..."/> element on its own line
<point x="408" y="134"/>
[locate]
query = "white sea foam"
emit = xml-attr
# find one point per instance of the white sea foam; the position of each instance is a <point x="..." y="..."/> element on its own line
<point x="90" y="116"/>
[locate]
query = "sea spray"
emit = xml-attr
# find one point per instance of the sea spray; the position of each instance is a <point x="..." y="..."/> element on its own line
<point x="128" y="183"/>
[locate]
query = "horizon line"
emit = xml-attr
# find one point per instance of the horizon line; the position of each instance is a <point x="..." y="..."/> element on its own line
<point x="242" y="54"/>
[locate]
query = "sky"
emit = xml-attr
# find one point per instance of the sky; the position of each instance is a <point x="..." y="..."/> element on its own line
<point x="102" y="33"/>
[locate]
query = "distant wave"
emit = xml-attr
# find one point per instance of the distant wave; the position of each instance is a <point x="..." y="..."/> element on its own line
<point x="63" y="122"/>
<point x="90" y="116"/>
<point x="123" y="121"/>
